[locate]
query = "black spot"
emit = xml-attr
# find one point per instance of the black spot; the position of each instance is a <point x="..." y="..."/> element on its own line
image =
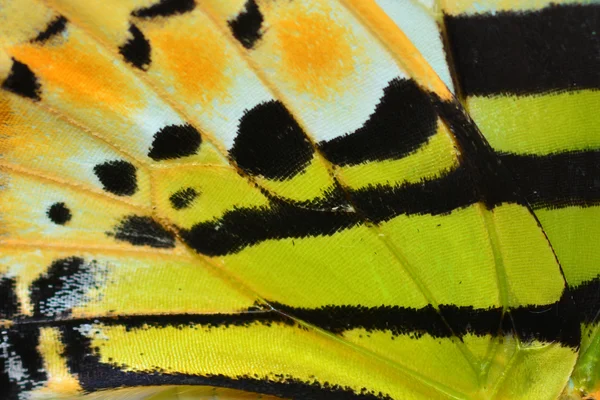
<point x="9" y="302"/>
<point x="271" y="143"/>
<point x="175" y="141"/>
<point x="56" y="279"/>
<point x="137" y="49"/>
<point x="22" y="81"/>
<point x="59" y="213"/>
<point x="165" y="8"/>
<point x="55" y="27"/>
<point x="554" y="48"/>
<point x="246" y="26"/>
<point x="403" y="120"/>
<point x="183" y="198"/>
<point x="117" y="177"/>
<point x="143" y="231"/>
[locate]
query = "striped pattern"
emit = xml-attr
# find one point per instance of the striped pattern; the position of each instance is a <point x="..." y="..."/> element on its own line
<point x="273" y="197"/>
<point x="530" y="80"/>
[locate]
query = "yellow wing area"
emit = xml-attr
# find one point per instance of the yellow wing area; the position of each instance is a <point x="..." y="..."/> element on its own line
<point x="264" y="197"/>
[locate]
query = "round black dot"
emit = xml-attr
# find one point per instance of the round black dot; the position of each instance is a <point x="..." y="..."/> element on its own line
<point x="59" y="213"/>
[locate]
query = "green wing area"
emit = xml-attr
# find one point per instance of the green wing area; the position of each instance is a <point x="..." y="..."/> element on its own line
<point x="246" y="198"/>
<point x="529" y="78"/>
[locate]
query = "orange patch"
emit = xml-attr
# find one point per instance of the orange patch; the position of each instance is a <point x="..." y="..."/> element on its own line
<point x="316" y="50"/>
<point x="196" y="57"/>
<point x="78" y="70"/>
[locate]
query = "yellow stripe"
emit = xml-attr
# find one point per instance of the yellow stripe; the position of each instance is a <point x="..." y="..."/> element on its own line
<point x="432" y="160"/>
<point x="539" y="124"/>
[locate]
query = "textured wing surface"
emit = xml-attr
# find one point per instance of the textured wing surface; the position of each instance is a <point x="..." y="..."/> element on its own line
<point x="278" y="197"/>
<point x="529" y="74"/>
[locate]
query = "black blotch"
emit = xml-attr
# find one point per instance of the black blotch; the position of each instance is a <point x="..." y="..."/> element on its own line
<point x="246" y="26"/>
<point x="117" y="177"/>
<point x="59" y="213"/>
<point x="403" y="120"/>
<point x="143" y="231"/>
<point x="55" y="27"/>
<point x="165" y="8"/>
<point x="554" y="48"/>
<point x="137" y="49"/>
<point x="183" y="198"/>
<point x="24" y="343"/>
<point x="271" y="143"/>
<point x="175" y="141"/>
<point x="22" y="81"/>
<point x="9" y="302"/>
<point x="53" y="281"/>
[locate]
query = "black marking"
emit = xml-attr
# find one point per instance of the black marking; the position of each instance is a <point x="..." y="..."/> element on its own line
<point x="22" y="347"/>
<point x="165" y="8"/>
<point x="175" y="141"/>
<point x="183" y="198"/>
<point x="60" y="287"/>
<point x="22" y="81"/>
<point x="143" y="231"/>
<point x="59" y="213"/>
<point x="557" y="180"/>
<point x="403" y="120"/>
<point x="270" y="143"/>
<point x="554" y="48"/>
<point x="137" y="50"/>
<point x="242" y="227"/>
<point x="55" y="27"/>
<point x="9" y="302"/>
<point x="557" y="323"/>
<point x="246" y="27"/>
<point x="117" y="177"/>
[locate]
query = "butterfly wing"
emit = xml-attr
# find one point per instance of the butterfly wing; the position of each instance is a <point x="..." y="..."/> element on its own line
<point x="277" y="197"/>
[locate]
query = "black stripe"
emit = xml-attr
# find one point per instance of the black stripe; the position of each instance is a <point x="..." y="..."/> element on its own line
<point x="557" y="180"/>
<point x="545" y="181"/>
<point x="587" y="300"/>
<point x="557" y="47"/>
<point x="246" y="27"/>
<point x="403" y="120"/>
<point x="556" y="322"/>
<point x="165" y="8"/>
<point x="55" y="27"/>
